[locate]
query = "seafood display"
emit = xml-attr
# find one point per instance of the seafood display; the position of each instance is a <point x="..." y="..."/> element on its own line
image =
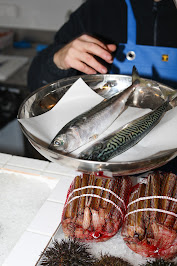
<point x="90" y="124"/>
<point x="126" y="137"/>
<point x="95" y="206"/>
<point x="150" y="226"/>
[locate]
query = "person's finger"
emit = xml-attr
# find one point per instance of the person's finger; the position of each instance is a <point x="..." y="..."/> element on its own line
<point x="87" y="59"/>
<point x="111" y="47"/>
<point x="96" y="50"/>
<point x="86" y="47"/>
<point x="80" y="54"/>
<point x="93" y="63"/>
<point x="88" y="38"/>
<point x="82" y="67"/>
<point x="91" y="39"/>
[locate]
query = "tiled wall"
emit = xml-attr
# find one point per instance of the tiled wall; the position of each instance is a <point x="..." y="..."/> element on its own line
<point x="41" y="14"/>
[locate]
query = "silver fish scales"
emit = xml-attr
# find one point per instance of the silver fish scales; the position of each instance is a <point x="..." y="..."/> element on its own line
<point x="126" y="137"/>
<point x="89" y="125"/>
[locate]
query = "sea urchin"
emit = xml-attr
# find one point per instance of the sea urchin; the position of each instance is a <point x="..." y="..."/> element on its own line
<point x="68" y="253"/>
<point x="160" y="262"/>
<point x="108" y="260"/>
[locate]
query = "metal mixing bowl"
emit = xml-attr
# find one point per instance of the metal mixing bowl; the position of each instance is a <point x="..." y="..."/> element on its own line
<point x="46" y="97"/>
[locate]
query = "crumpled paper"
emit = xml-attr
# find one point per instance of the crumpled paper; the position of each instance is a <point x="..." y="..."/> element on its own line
<point x="80" y="98"/>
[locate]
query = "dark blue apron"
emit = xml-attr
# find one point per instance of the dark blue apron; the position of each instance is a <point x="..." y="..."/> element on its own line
<point x="154" y="62"/>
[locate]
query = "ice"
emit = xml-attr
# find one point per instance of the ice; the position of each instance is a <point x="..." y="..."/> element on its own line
<point x="117" y="247"/>
<point x="21" y="197"/>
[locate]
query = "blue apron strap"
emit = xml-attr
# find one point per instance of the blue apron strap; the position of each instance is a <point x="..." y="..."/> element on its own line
<point x="131" y="24"/>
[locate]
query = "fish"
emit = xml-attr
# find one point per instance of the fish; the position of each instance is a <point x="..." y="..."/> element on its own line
<point x="90" y="124"/>
<point x="124" y="138"/>
<point x="151" y="88"/>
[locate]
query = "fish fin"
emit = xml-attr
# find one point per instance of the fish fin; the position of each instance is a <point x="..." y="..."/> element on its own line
<point x="135" y="75"/>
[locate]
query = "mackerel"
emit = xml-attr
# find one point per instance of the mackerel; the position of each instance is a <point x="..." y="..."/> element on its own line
<point x="126" y="137"/>
<point x="90" y="124"/>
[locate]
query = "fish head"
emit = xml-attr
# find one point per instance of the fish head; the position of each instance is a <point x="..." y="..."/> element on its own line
<point x="67" y="142"/>
<point x="59" y="142"/>
<point x="73" y="139"/>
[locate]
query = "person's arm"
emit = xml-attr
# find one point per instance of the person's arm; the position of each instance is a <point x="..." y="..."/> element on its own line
<point x="43" y="70"/>
<point x="73" y="52"/>
<point x="81" y="52"/>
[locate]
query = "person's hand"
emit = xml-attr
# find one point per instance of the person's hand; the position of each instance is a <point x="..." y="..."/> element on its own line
<point x="80" y="55"/>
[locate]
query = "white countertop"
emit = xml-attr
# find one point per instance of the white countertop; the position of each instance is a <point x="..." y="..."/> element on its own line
<point x="25" y="241"/>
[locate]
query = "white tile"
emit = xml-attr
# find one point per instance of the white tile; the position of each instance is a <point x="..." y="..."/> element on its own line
<point x="61" y="169"/>
<point x="28" y="163"/>
<point x="59" y="193"/>
<point x="27" y="250"/>
<point x="51" y="175"/>
<point x="15" y="168"/>
<point x="4" y="158"/>
<point x="47" y="219"/>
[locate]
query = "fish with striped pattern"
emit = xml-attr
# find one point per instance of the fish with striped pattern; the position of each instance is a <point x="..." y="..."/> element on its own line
<point x="126" y="137"/>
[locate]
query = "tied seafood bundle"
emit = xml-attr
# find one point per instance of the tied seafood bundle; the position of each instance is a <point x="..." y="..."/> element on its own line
<point x="95" y="207"/>
<point x="150" y="226"/>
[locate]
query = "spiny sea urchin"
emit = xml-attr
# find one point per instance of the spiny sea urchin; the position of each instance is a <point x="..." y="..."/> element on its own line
<point x="160" y="262"/>
<point x="67" y="253"/>
<point x="108" y="260"/>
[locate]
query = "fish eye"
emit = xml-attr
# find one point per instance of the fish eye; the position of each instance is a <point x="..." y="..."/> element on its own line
<point x="58" y="142"/>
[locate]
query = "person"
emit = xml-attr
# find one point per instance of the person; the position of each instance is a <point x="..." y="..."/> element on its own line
<point x="87" y="42"/>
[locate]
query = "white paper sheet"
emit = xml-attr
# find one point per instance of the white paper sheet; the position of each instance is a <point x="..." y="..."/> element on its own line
<point x="77" y="99"/>
<point x="80" y="98"/>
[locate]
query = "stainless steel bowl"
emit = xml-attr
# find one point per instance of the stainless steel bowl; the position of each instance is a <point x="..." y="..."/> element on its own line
<point x="46" y="97"/>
